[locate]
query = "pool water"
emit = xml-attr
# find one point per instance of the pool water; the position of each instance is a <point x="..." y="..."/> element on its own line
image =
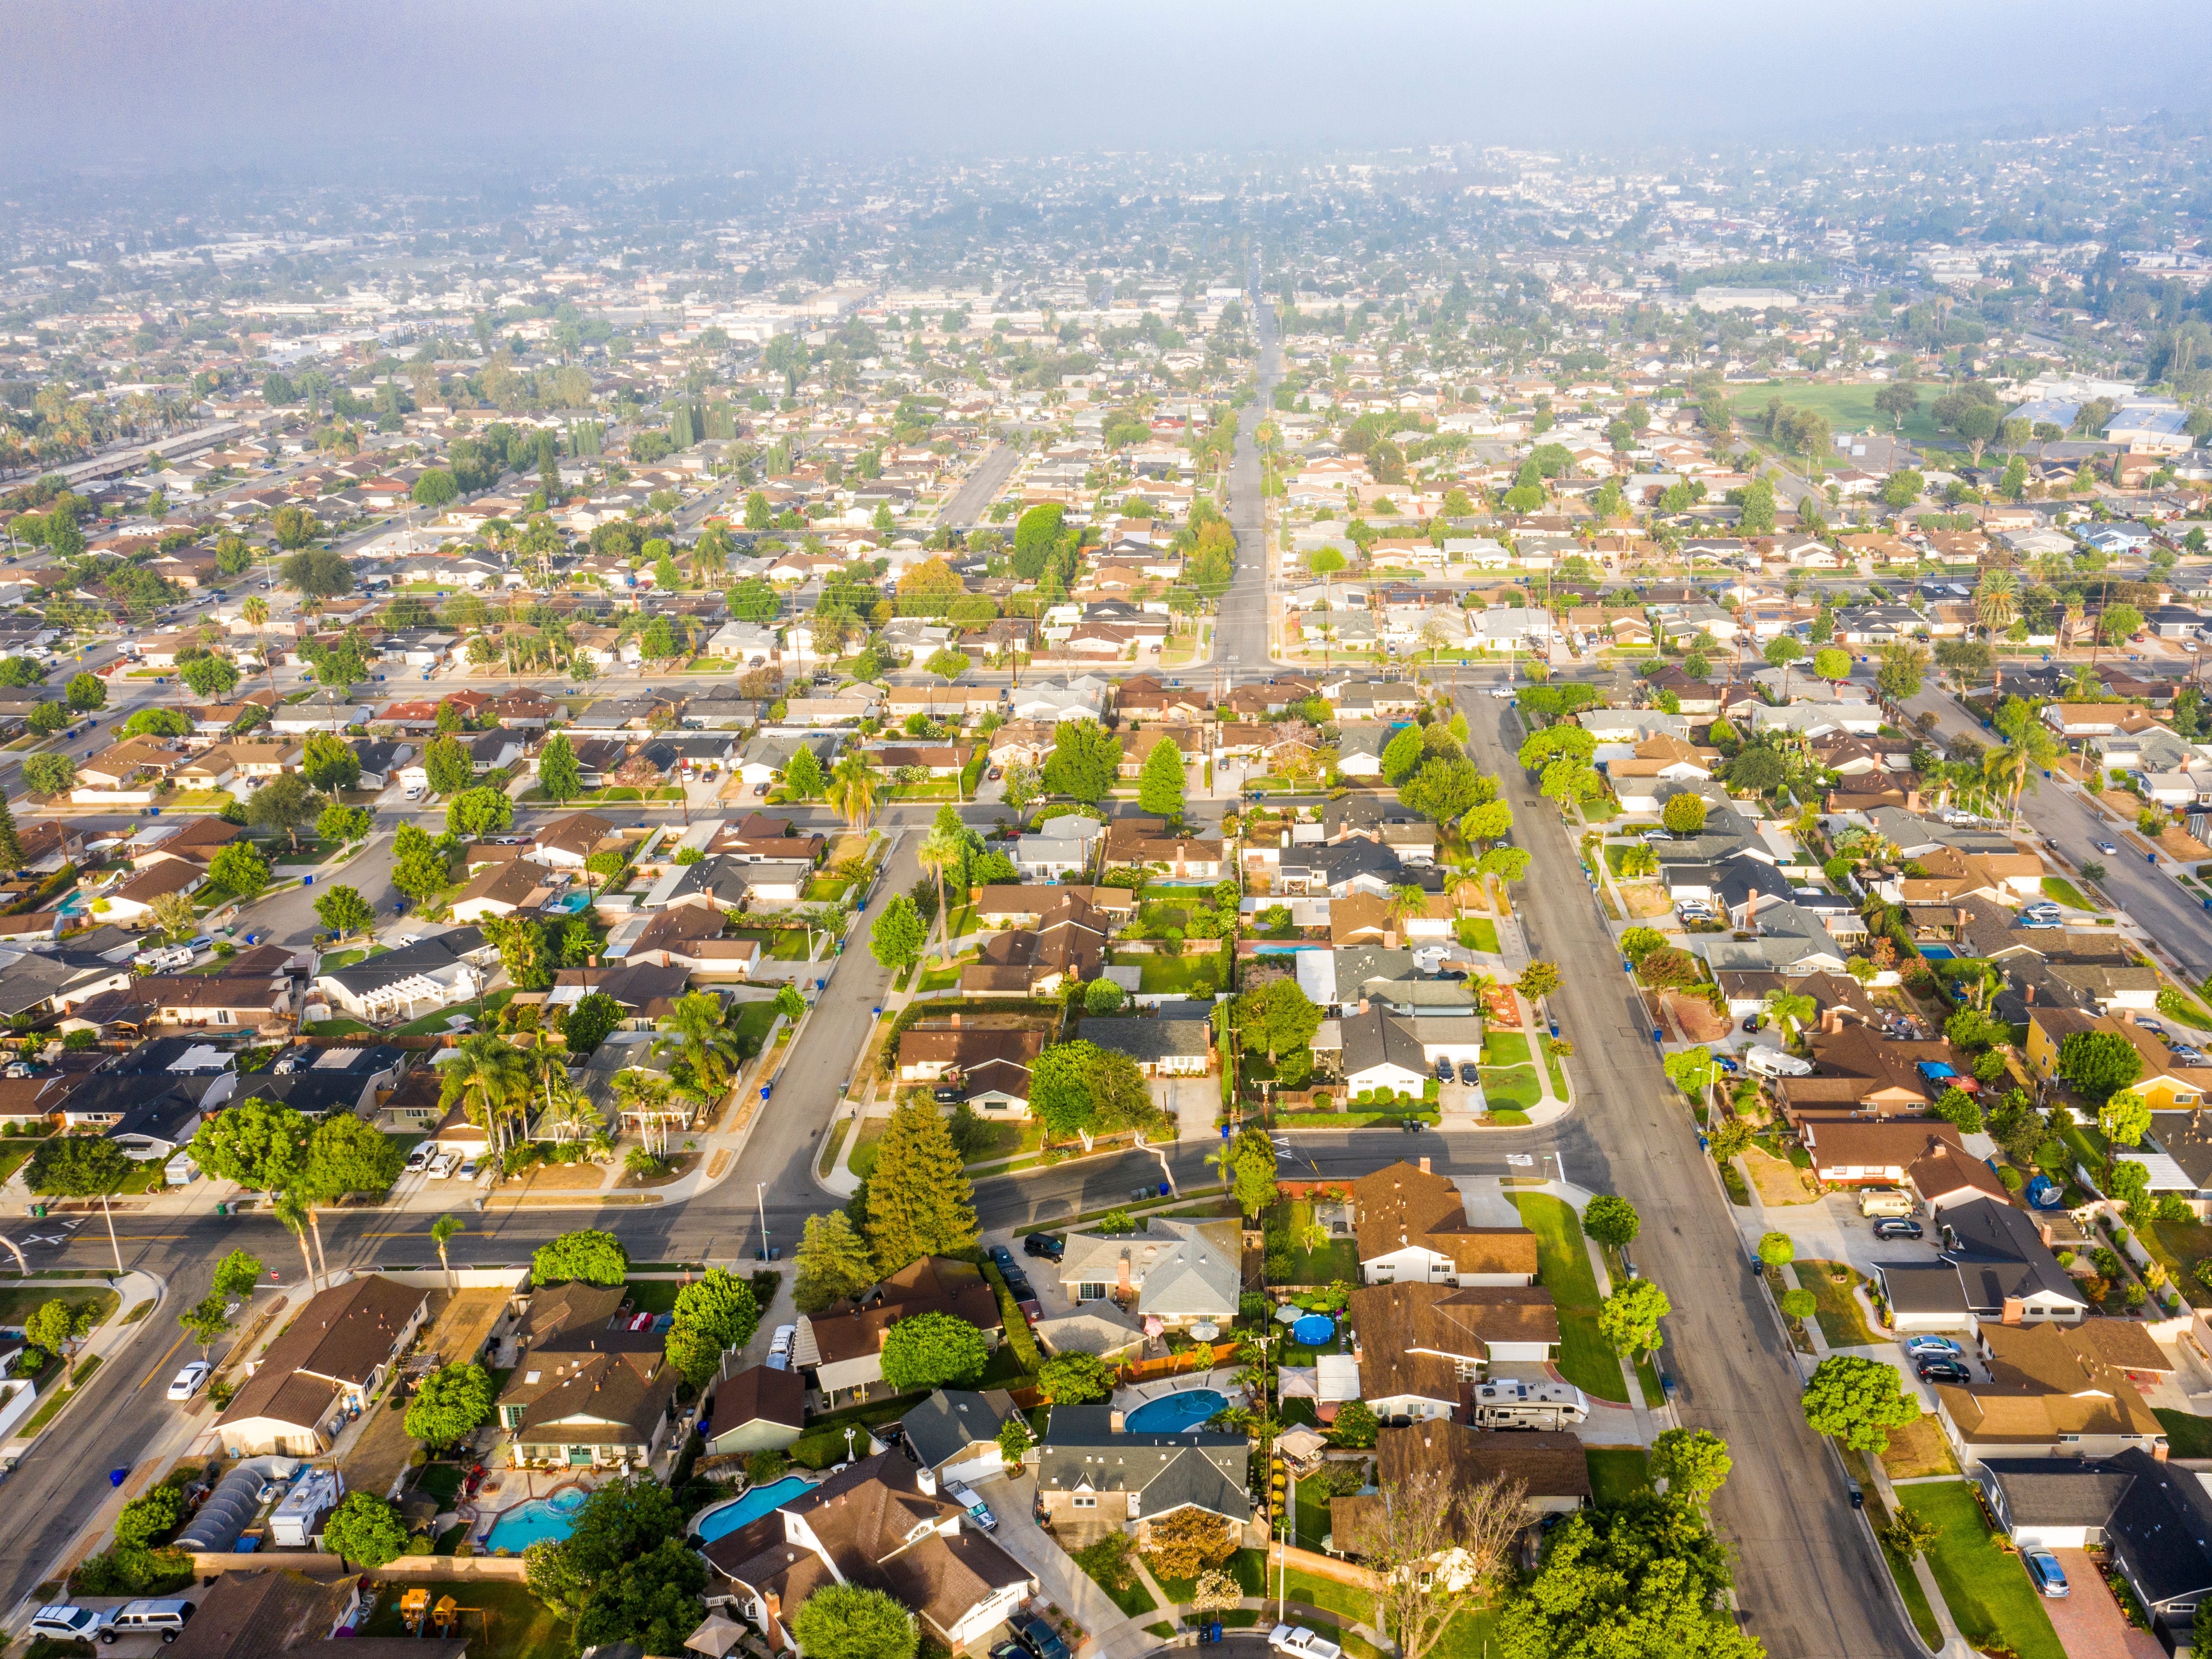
<point x="537" y="1521"/>
<point x="1313" y="1330"/>
<point x="719" y="1522"/>
<point x="1939" y="953"/>
<point x="1171" y="1414"/>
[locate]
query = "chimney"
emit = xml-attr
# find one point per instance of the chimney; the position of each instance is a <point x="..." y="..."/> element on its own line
<point x="1425" y="1164"/>
<point x="1390" y="938"/>
<point x="2127" y="1016"/>
<point x="1122" y="1274"/>
<point x="1912" y="801"/>
<point x="955" y="1019"/>
<point x="591" y="962"/>
<point x="1831" y="1018"/>
<point x="925" y="1480"/>
<point x="2031" y="991"/>
<point x="1961" y="915"/>
<point x="1751" y="910"/>
<point x="772" y="1616"/>
<point x="2015" y="1310"/>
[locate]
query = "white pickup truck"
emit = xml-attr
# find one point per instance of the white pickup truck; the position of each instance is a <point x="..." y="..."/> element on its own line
<point x="1306" y="1643"/>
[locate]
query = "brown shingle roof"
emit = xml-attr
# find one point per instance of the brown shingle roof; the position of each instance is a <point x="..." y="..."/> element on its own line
<point x="343" y="1335"/>
<point x="1402" y="1205"/>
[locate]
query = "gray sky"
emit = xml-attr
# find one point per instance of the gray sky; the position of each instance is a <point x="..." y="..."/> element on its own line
<point x="159" y="83"/>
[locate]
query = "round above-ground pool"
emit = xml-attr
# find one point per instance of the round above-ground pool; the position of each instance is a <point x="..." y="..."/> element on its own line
<point x="536" y="1521"/>
<point x="727" y="1518"/>
<point x="1171" y="1414"/>
<point x="1312" y="1330"/>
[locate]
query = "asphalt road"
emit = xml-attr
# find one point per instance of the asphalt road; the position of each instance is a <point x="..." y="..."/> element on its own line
<point x="2056" y="808"/>
<point x="1240" y="625"/>
<point x="980" y="487"/>
<point x="1807" y="1580"/>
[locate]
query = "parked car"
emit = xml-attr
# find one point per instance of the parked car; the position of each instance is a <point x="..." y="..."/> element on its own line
<point x="1044" y="1244"/>
<point x="421" y="1157"/>
<point x="1443" y="1071"/>
<point x="760" y="789"/>
<point x="468" y="1169"/>
<point x="1944" y="1370"/>
<point x="978" y="1511"/>
<point x="1932" y="1347"/>
<point x="186" y="1382"/>
<point x="165" y="1617"/>
<point x="1657" y="835"/>
<point x="1004" y="1257"/>
<point x="2044" y="1572"/>
<point x="995" y="774"/>
<point x="779" y="1346"/>
<point x="1469" y="1073"/>
<point x="2108" y="849"/>
<point x="1897" y="1227"/>
<point x="1041" y="1640"/>
<point x="62" y="1623"/>
<point x="444" y="1164"/>
<point x="1752" y="1022"/>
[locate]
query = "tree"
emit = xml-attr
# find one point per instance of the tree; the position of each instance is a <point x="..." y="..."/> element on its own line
<point x="851" y="788"/>
<point x="434" y="489"/>
<point x="1629" y="1318"/>
<point x="933" y="1350"/>
<point x="1612" y="1220"/>
<point x="284" y="804"/>
<point x="1084" y="762"/>
<point x="449" y="766"/>
<point x="1638" y="943"/>
<point x="717" y="1314"/>
<point x="347" y="1154"/>
<point x="1904" y="670"/>
<point x="261" y="1144"/>
<point x="1187" y="1541"/>
<point x="1777" y="1249"/>
<point x="1425" y="1516"/>
<point x="1103" y="996"/>
<point x="652" y="1600"/>
<point x="475" y="813"/>
<point x="594" y="1257"/>
<point x="2116" y="624"/>
<point x="236" y="1275"/>
<point x="1014" y="1439"/>
<point x="449" y="1403"/>
<point x="587" y="1022"/>
<point x="1160" y="784"/>
<point x="898" y="936"/>
<point x="2098" y="1064"/>
<point x="209" y="676"/>
<point x="238" y="869"/>
<point x="1356" y="1426"/>
<point x="1645" y="1579"/>
<point x="49" y="774"/>
<point x="1277" y="1017"/>
<point x="53" y="1325"/>
<point x="832" y="1263"/>
<point x="1539" y="979"/>
<point x="1857" y="1401"/>
<point x="174" y="916"/>
<point x="344" y="911"/>
<point x="418" y="868"/>
<point x="1684" y="815"/>
<point x="2125" y="1118"/>
<point x="318" y="573"/>
<point x="1078" y="1088"/>
<point x="802" y="773"/>
<point x="1831" y="663"/>
<point x="365" y="1527"/>
<point x="86" y="692"/>
<point x="558" y="774"/>
<point x="920" y="1200"/>
<point x="1694" y="1463"/>
<point x="1252" y="1170"/>
<point x="1910" y="1533"/>
<point x="850" y="1621"/>
<point x="1075" y="1378"/>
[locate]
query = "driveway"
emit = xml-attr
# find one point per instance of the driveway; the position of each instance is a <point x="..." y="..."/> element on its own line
<point x="2089" y="1622"/>
<point x="1110" y="1634"/>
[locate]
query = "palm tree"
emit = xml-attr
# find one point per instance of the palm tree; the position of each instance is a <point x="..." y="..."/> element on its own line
<point x="1790" y="1010"/>
<point x="1407" y="901"/>
<point x="442" y="1233"/>
<point x="1997" y="601"/>
<point x="2012" y="766"/>
<point x="940" y="850"/>
<point x="287" y="1209"/>
<point x="487" y="1078"/>
<point x="852" y="789"/>
<point x="698" y="1033"/>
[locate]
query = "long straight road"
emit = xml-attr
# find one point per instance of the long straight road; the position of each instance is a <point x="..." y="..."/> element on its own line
<point x="1240" y="623"/>
<point x="1807" y="1581"/>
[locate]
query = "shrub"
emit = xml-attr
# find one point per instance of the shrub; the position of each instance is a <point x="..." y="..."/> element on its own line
<point x="2011" y="1177"/>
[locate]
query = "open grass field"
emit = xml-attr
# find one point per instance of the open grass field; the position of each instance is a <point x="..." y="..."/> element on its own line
<point x="1586" y="1358"/>
<point x="1848" y="409"/>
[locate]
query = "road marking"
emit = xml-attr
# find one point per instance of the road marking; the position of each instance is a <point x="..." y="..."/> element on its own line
<point x="180" y="1341"/>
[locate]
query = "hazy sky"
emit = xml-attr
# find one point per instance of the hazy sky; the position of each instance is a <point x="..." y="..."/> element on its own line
<point x="158" y="84"/>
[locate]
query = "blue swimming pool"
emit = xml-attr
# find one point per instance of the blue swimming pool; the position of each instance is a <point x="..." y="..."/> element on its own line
<point x="727" y="1518"/>
<point x="1938" y="953"/>
<point x="1312" y="1330"/>
<point x="536" y="1521"/>
<point x="1171" y="1414"/>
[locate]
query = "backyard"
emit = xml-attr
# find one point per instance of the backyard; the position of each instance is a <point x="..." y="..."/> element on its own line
<point x="502" y="1621"/>
<point x="1586" y="1358"/>
<point x="1191" y="975"/>
<point x="1334" y="1259"/>
<point x="1985" y="1588"/>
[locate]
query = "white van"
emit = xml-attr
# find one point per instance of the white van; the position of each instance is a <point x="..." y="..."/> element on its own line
<point x="1884" y="1201"/>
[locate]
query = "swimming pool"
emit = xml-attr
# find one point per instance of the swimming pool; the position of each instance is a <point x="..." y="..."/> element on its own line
<point x="1939" y="953"/>
<point x="1312" y="1330"/>
<point x="536" y="1521"/>
<point x="1171" y="1414"/>
<point x="727" y="1518"/>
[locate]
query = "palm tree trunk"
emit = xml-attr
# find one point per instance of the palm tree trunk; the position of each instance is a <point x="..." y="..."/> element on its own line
<point x="301" y="1235"/>
<point x="943" y="924"/>
<point x="447" y="1267"/>
<point x="315" y="1222"/>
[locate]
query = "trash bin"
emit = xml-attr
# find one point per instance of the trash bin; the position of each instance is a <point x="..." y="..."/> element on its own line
<point x="221" y="1208"/>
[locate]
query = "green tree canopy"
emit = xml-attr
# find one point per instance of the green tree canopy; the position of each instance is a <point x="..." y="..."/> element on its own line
<point x="851" y="1621"/>
<point x="1694" y="1463"/>
<point x="1858" y="1401"/>
<point x="595" y="1257"/>
<point x="448" y="1403"/>
<point x="1611" y="1219"/>
<point x="2099" y="1063"/>
<point x="1084" y="762"/>
<point x="920" y="1200"/>
<point x="365" y="1527"/>
<point x="933" y="1350"/>
<point x="833" y="1261"/>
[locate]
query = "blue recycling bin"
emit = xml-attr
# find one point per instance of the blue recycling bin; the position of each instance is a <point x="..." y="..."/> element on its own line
<point x="117" y="1477"/>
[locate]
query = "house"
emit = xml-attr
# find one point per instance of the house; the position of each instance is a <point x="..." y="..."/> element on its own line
<point x="2152" y="1522"/>
<point x="989" y="1065"/>
<point x="1092" y="1477"/>
<point x="881" y="1524"/>
<point x="131" y="902"/>
<point x="1160" y="1048"/>
<point x="500" y="889"/>
<point x="1411" y="1226"/>
<point x="281" y="1610"/>
<point x="587" y="1389"/>
<point x="1069" y="945"/>
<point x="330" y="1361"/>
<point x="432" y="973"/>
<point x="2006" y="1265"/>
<point x="1549" y="1465"/>
<point x="1181" y="1273"/>
<point x="565" y="843"/>
<point x="2054" y="1392"/>
<point x="1063" y="846"/>
<point x="1420" y="1343"/>
<point x="760" y="1408"/>
<point x="955" y="1433"/>
<point x="1858" y="1152"/>
<point x="842" y="1345"/>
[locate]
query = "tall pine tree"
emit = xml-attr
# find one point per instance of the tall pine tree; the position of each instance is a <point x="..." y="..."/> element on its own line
<point x="11" y="849"/>
<point x="919" y="1201"/>
<point x="1159" y="786"/>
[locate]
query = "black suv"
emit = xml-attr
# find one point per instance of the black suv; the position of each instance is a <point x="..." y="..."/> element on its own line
<point x="1039" y="1639"/>
<point x="1944" y="1370"/>
<point x="1443" y="1071"/>
<point x="1469" y="1073"/>
<point x="1044" y="1244"/>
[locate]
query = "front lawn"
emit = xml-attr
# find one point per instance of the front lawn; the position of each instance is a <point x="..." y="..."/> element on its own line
<point x="1841" y="1322"/>
<point x="1986" y="1588"/>
<point x="752" y="1023"/>
<point x="1505" y="1048"/>
<point x="994" y="1141"/>
<point x="1515" y="1090"/>
<point x="2186" y="1434"/>
<point x="1478" y="933"/>
<point x="1586" y="1358"/>
<point x="17" y="1304"/>
<point x="1553" y="1064"/>
<point x="2063" y="891"/>
<point x="861" y="1160"/>
<point x="1617" y="1473"/>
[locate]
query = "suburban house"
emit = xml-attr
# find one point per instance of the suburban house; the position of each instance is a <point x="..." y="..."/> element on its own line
<point x="988" y="1065"/>
<point x="760" y="1408"/>
<point x="1411" y="1225"/>
<point x="1092" y="1478"/>
<point x="1420" y="1343"/>
<point x="414" y="980"/>
<point x="1069" y="943"/>
<point x="880" y="1524"/>
<point x="955" y="1432"/>
<point x="1549" y="1464"/>
<point x="329" y="1361"/>
<point x="587" y="1390"/>
<point x="842" y="1345"/>
<point x="1179" y="1273"/>
<point x="2056" y="1391"/>
<point x="1160" y="1048"/>
<point x="2006" y="1265"/>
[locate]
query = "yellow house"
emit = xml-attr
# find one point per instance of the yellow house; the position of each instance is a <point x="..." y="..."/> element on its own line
<point x="2168" y="1087"/>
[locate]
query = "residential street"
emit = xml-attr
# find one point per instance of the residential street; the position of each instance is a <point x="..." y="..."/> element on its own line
<point x="1240" y="625"/>
<point x="1808" y="1581"/>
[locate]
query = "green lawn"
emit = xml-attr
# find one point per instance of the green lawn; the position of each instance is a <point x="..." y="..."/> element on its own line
<point x="433" y="1024"/>
<point x="1986" y="1590"/>
<point x="1478" y="933"/>
<point x="331" y="1027"/>
<point x="1900" y="1569"/>
<point x="653" y="1296"/>
<point x="1505" y="1048"/>
<point x="2065" y="892"/>
<point x="2186" y="1434"/>
<point x="753" y="1020"/>
<point x="1849" y="408"/>
<point x="17" y="1304"/>
<point x="1339" y="1258"/>
<point x="1247" y="1567"/>
<point x="1192" y="976"/>
<point x="1586" y="1359"/>
<point x="1617" y="1473"/>
<point x="1132" y="1598"/>
<point x="1841" y="1322"/>
<point x="1515" y="1089"/>
<point x="1553" y="1064"/>
<point x="861" y="1160"/>
<point x="512" y="1624"/>
<point x="996" y="1140"/>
